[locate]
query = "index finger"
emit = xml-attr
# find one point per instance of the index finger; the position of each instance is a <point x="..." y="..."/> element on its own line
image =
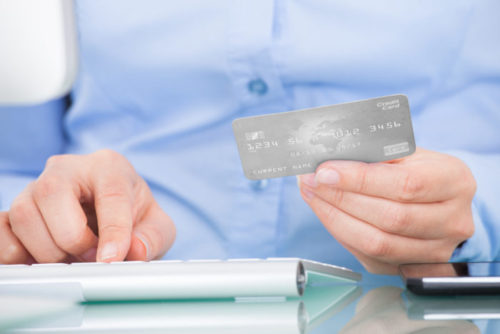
<point x="404" y="183"/>
<point x="113" y="200"/>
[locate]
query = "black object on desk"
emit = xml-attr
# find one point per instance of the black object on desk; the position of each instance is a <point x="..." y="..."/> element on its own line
<point x="462" y="278"/>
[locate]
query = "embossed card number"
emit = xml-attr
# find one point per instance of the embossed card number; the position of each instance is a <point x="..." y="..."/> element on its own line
<point x="296" y="142"/>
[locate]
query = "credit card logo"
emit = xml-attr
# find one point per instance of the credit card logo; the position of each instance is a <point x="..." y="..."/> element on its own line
<point x="255" y="135"/>
<point x="396" y="148"/>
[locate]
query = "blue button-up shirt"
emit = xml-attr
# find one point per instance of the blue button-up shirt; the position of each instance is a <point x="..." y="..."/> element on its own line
<point x="161" y="81"/>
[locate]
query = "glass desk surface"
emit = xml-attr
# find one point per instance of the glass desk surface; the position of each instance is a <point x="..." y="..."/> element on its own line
<point x="378" y="304"/>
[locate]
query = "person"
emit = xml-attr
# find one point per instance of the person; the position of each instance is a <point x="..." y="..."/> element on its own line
<point x="146" y="141"/>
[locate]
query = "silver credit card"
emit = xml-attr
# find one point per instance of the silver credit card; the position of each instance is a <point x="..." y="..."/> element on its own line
<point x="296" y="142"/>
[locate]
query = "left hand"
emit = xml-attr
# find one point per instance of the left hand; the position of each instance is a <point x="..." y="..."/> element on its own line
<point x="415" y="209"/>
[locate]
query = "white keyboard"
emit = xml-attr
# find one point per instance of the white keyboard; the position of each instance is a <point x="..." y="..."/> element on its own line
<point x="194" y="279"/>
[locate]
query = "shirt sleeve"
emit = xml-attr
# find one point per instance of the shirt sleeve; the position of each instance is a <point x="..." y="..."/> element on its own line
<point x="484" y="245"/>
<point x="29" y="136"/>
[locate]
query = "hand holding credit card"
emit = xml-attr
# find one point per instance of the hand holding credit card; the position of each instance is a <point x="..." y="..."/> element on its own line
<point x="403" y="211"/>
<point x="297" y="142"/>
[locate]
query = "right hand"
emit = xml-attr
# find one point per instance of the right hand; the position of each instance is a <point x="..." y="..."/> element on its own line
<point x="85" y="208"/>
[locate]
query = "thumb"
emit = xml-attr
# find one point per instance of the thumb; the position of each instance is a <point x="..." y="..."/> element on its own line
<point x="152" y="236"/>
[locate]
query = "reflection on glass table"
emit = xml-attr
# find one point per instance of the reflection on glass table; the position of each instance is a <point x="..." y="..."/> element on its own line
<point x="390" y="310"/>
<point x="453" y="307"/>
<point x="248" y="315"/>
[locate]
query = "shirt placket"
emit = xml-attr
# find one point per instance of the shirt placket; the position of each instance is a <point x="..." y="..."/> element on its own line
<point x="258" y="89"/>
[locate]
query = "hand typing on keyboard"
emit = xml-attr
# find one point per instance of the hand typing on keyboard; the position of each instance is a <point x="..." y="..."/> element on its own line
<point x="85" y="208"/>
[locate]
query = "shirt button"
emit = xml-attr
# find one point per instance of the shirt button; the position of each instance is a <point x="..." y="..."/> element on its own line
<point x="259" y="185"/>
<point x="257" y="87"/>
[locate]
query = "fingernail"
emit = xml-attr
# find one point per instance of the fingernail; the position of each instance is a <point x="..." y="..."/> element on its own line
<point x="89" y="255"/>
<point x="307" y="193"/>
<point x="108" y="251"/>
<point x="327" y="176"/>
<point x="308" y="179"/>
<point x="146" y="245"/>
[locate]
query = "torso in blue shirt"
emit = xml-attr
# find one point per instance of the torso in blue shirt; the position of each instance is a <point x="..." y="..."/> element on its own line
<point x="161" y="82"/>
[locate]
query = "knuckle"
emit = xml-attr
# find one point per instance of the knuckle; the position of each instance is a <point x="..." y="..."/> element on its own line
<point x="56" y="160"/>
<point x="46" y="186"/>
<point x="377" y="246"/>
<point x="112" y="193"/>
<point x="106" y="152"/>
<point x="336" y="197"/>
<point x="116" y="230"/>
<point x="12" y="254"/>
<point x="330" y="214"/>
<point x="395" y="218"/>
<point x="362" y="176"/>
<point x="114" y="188"/>
<point x="463" y="229"/>
<point x="72" y="240"/>
<point x="117" y="167"/>
<point x="110" y="156"/>
<point x="19" y="213"/>
<point x="411" y="185"/>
